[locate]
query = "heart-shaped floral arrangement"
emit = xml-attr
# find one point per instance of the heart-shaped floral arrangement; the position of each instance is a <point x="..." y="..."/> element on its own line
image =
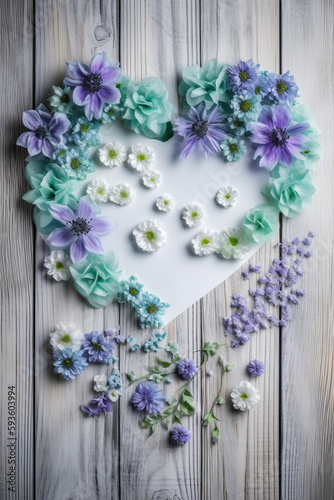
<point x="185" y="205"/>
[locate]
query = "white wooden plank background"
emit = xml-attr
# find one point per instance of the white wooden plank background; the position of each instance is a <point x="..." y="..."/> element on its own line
<point x="284" y="447"/>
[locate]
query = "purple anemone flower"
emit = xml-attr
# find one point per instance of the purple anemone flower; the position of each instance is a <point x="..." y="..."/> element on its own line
<point x="96" y="85"/>
<point x="180" y="435"/>
<point x="148" y="397"/>
<point x="81" y="231"/>
<point x="98" y="405"/>
<point x="277" y="140"/>
<point x="46" y="131"/>
<point x="203" y="129"/>
<point x="187" y="368"/>
<point x="244" y="76"/>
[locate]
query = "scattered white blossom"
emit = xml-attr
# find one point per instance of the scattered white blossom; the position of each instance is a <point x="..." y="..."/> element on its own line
<point x="122" y="194"/>
<point x="193" y="214"/>
<point x="57" y="264"/>
<point x="66" y="335"/>
<point x="141" y="157"/>
<point x="206" y="242"/>
<point x="112" y="154"/>
<point x="98" y="190"/>
<point x="113" y="395"/>
<point x="151" y="179"/>
<point x="227" y="196"/>
<point x="233" y="243"/>
<point x="165" y="203"/>
<point x="101" y="383"/>
<point x="245" y="396"/>
<point x="150" y="235"/>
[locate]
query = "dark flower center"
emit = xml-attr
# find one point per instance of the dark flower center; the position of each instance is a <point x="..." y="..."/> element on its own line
<point x="281" y="87"/>
<point x="200" y="129"/>
<point x="234" y="241"/>
<point x="133" y="291"/>
<point x="233" y="148"/>
<point x="245" y="106"/>
<point x="96" y="347"/>
<point x="111" y="112"/>
<point x="84" y="128"/>
<point x="41" y="132"/>
<point x="236" y="123"/>
<point x="81" y="226"/>
<point x="75" y="164"/>
<point x="59" y="266"/>
<point x="67" y="363"/>
<point x="244" y="76"/>
<point x="279" y="137"/>
<point x="93" y="82"/>
<point x="65" y="98"/>
<point x="151" y="309"/>
<point x="257" y="89"/>
<point x="66" y="338"/>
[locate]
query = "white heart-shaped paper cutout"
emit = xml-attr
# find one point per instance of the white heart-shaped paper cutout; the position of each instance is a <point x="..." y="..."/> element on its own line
<point x="174" y="273"/>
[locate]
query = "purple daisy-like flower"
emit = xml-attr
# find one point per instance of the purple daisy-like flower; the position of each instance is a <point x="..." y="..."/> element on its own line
<point x="282" y="88"/>
<point x="187" y="368"/>
<point x="180" y="434"/>
<point x="96" y="348"/>
<point x="201" y="129"/>
<point x="81" y="231"/>
<point x="277" y="140"/>
<point x="255" y="368"/>
<point x="98" y="405"/>
<point x="46" y="131"/>
<point x="148" y="397"/>
<point x="244" y="76"/>
<point x="96" y="85"/>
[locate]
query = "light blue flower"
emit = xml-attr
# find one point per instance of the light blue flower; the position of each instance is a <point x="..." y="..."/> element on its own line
<point x="147" y="109"/>
<point x="233" y="149"/>
<point x="290" y="189"/>
<point x="236" y="126"/>
<point x="205" y="85"/>
<point x="313" y="147"/>
<point x="61" y="100"/>
<point x="114" y="381"/>
<point x="261" y="223"/>
<point x="110" y="113"/>
<point x="154" y="343"/>
<point x="282" y="88"/>
<point x="246" y="106"/>
<point x="150" y="311"/>
<point x="68" y="363"/>
<point x="77" y="163"/>
<point x="97" y="278"/>
<point x="130" y="291"/>
<point x="85" y="133"/>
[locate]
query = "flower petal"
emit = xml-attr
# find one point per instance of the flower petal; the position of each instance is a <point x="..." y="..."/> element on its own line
<point x="78" y="250"/>
<point x="92" y="244"/>
<point x="86" y="209"/>
<point x="96" y="105"/>
<point x="98" y="62"/>
<point x="76" y="72"/>
<point x="62" y="213"/>
<point x="109" y="94"/>
<point x="31" y="119"/>
<point x="62" y="237"/>
<point x="111" y="74"/>
<point x="80" y="95"/>
<point x="101" y="226"/>
<point x="34" y="144"/>
<point x="281" y="117"/>
<point x="49" y="146"/>
<point x="58" y="124"/>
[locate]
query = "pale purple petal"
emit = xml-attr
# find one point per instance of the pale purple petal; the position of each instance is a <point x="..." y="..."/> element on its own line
<point x="298" y="128"/>
<point x="77" y="250"/>
<point x="266" y="116"/>
<point x="109" y="94"/>
<point x="98" y="62"/>
<point x="58" y="125"/>
<point x="101" y="226"/>
<point x="34" y="144"/>
<point x="281" y="117"/>
<point x="86" y="209"/>
<point x="92" y="244"/>
<point x="111" y="75"/>
<point x="49" y="146"/>
<point x="285" y="157"/>
<point x="80" y="95"/>
<point x="62" y="237"/>
<point x="31" y="119"/>
<point x="88" y="111"/>
<point x="96" y="105"/>
<point x="76" y="72"/>
<point x="62" y="213"/>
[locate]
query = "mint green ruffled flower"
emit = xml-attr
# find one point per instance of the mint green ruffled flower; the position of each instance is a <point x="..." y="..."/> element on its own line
<point x="147" y="109"/>
<point x="311" y="153"/>
<point x="290" y="189"/>
<point x="49" y="185"/>
<point x="97" y="278"/>
<point x="205" y="85"/>
<point x="261" y="223"/>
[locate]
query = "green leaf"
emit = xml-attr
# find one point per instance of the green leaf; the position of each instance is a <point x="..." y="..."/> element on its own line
<point x="165" y="423"/>
<point x="176" y="419"/>
<point x="162" y="362"/>
<point x="153" y="369"/>
<point x="228" y="368"/>
<point x="131" y="376"/>
<point x="172" y="400"/>
<point x="220" y="401"/>
<point x="154" y="426"/>
<point x="169" y="410"/>
<point x="215" y="434"/>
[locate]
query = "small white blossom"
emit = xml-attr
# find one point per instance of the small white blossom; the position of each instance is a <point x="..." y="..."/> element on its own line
<point x="151" y="179"/>
<point x="150" y="235"/>
<point x="206" y="242"/>
<point x="245" y="396"/>
<point x="114" y="395"/>
<point x="98" y="190"/>
<point x="141" y="157"/>
<point x="122" y="194"/>
<point x="227" y="196"/>
<point x="233" y="243"/>
<point x="57" y="264"/>
<point x="66" y="335"/>
<point x="165" y="203"/>
<point x="193" y="214"/>
<point x="112" y="154"/>
<point x="101" y="383"/>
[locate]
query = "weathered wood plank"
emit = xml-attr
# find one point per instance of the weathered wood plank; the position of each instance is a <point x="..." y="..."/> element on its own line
<point x="245" y="463"/>
<point x="76" y="457"/>
<point x="307" y="348"/>
<point x="17" y="250"/>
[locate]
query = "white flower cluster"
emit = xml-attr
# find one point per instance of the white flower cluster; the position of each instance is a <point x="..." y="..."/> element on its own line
<point x="230" y="244"/>
<point x="100" y="191"/>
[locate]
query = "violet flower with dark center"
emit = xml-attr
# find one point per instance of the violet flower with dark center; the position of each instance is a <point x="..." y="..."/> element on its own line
<point x="96" y="85"/>
<point x="96" y="348"/>
<point x="187" y="368"/>
<point x="46" y="131"/>
<point x="277" y="141"/>
<point x="98" y="405"/>
<point x="148" y="397"/>
<point x="81" y="231"/>
<point x="201" y="129"/>
<point x="244" y="76"/>
<point x="180" y="435"/>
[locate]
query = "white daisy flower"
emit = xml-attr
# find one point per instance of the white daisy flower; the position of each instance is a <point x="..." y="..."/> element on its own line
<point x="206" y="242"/>
<point x="151" y="179"/>
<point x="227" y="196"/>
<point x="150" y="235"/>
<point x="233" y="243"/>
<point x="112" y="154"/>
<point x="193" y="214"/>
<point x="101" y="383"/>
<point x="66" y="335"/>
<point x="122" y="194"/>
<point x="165" y="203"/>
<point x="245" y="396"/>
<point x="141" y="157"/>
<point x="57" y="264"/>
<point x="98" y="190"/>
<point x="114" y="395"/>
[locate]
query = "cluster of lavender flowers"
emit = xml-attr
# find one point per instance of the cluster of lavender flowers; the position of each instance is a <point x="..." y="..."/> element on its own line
<point x="109" y="389"/>
<point x="276" y="287"/>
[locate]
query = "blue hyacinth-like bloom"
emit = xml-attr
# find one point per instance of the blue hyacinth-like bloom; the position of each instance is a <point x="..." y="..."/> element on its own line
<point x="244" y="76"/>
<point x="187" y="368"/>
<point x="96" y="348"/>
<point x="255" y="368"/>
<point x="282" y="88"/>
<point x="148" y="397"/>
<point x="69" y="363"/>
<point x="180" y="435"/>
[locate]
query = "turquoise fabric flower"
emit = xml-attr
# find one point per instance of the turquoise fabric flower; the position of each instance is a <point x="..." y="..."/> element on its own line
<point x="233" y="149"/>
<point x="147" y="109"/>
<point x="261" y="223"/>
<point x="97" y="278"/>
<point x="205" y="85"/>
<point x="312" y="150"/>
<point x="290" y="189"/>
<point x="49" y="185"/>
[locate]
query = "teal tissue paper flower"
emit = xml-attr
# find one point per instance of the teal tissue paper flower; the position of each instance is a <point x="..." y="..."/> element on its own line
<point x="97" y="278"/>
<point x="205" y="85"/>
<point x="50" y="185"/>
<point x="290" y="189"/>
<point x="147" y="109"/>
<point x="312" y="149"/>
<point x="261" y="223"/>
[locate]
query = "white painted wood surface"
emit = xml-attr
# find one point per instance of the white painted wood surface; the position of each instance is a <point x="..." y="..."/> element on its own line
<point x="284" y="447"/>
